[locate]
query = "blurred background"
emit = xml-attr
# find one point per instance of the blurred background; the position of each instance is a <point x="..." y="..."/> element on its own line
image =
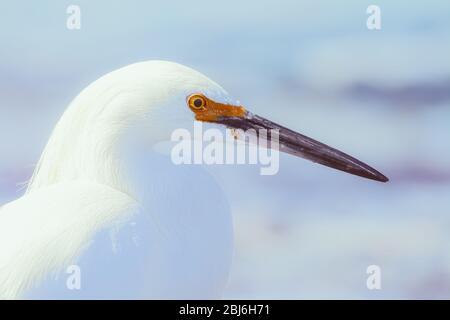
<point x="382" y="96"/>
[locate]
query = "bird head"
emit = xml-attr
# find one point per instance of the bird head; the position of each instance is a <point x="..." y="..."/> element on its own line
<point x="207" y="102"/>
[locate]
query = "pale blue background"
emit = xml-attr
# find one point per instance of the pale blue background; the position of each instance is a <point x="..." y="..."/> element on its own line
<point x="383" y="96"/>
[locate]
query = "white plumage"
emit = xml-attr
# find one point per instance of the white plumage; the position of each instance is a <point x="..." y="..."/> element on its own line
<point x="101" y="198"/>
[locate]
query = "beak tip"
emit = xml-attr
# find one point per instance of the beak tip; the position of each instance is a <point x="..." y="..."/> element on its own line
<point x="377" y="176"/>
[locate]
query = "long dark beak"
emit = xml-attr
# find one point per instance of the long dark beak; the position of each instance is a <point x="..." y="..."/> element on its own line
<point x="299" y="145"/>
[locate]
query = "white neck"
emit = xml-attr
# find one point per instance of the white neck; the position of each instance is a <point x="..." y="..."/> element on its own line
<point x="83" y="146"/>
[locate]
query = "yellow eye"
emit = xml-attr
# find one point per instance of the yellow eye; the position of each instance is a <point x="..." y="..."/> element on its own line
<point x="197" y="102"/>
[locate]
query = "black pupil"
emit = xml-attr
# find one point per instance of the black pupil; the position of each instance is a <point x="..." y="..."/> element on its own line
<point x="198" y="103"/>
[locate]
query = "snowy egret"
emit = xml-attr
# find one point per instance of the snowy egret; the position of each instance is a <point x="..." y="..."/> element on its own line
<point x="133" y="224"/>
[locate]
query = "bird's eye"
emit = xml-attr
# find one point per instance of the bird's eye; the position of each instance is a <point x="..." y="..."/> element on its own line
<point x="197" y="102"/>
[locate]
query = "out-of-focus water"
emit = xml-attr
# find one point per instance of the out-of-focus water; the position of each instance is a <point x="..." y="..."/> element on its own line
<point x="382" y="96"/>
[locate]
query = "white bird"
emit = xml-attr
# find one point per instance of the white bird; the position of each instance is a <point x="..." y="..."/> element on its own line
<point x="135" y="225"/>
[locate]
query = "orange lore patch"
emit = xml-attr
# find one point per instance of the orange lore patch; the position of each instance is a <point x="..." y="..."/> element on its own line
<point x="208" y="110"/>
